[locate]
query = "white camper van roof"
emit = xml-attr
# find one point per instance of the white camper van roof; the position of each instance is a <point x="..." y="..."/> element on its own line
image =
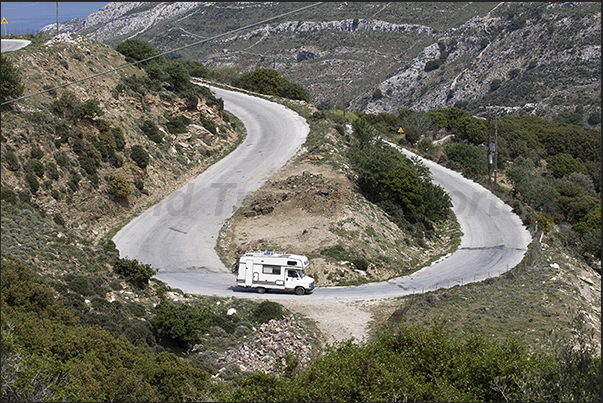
<point x="276" y="255"/>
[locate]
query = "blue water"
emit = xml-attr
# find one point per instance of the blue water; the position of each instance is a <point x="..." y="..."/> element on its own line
<point x="31" y="17"/>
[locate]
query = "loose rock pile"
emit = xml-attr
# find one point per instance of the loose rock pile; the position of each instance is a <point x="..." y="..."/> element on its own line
<point x="269" y="347"/>
<point x="308" y="191"/>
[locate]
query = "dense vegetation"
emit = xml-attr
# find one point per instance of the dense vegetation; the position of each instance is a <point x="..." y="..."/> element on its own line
<point x="402" y="187"/>
<point x="416" y="363"/>
<point x="270" y="82"/>
<point x="553" y="169"/>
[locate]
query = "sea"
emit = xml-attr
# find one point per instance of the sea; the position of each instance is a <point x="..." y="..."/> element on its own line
<point x="30" y="17"/>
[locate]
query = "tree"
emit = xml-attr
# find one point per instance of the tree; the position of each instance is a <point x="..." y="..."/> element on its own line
<point x="179" y="76"/>
<point x="294" y="91"/>
<point x="138" y="274"/>
<point x="11" y="80"/>
<point x="404" y="184"/>
<point x="466" y="158"/>
<point x="137" y="49"/>
<point x="265" y="81"/>
<point x="363" y="132"/>
<point x="412" y="134"/>
<point x="564" y="164"/>
<point x="180" y="321"/>
<point x="471" y="129"/>
<point x="151" y="130"/>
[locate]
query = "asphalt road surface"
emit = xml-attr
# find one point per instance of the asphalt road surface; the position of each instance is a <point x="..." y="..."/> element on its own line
<point x="179" y="234"/>
<point x="8" y="45"/>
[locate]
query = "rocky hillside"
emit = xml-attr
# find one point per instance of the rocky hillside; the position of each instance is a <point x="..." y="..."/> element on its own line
<point x="533" y="57"/>
<point x="83" y="152"/>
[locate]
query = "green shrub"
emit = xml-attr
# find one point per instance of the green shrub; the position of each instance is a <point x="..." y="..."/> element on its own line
<point x="35" y="166"/>
<point x="466" y="158"/>
<point x="82" y="285"/>
<point x="36" y="153"/>
<point x="12" y="87"/>
<point x="88" y="109"/>
<point x="495" y="84"/>
<point x="433" y="65"/>
<point x="58" y="219"/>
<point x="12" y="160"/>
<point x="564" y="164"/>
<point x="139" y="183"/>
<point x="267" y="310"/>
<point x="181" y="322"/>
<point x="177" y="124"/>
<point x="209" y="124"/>
<point x="360" y="263"/>
<point x="192" y="100"/>
<point x="594" y="118"/>
<point x="137" y="49"/>
<point x="62" y="159"/>
<point x="32" y="182"/>
<point x="8" y="195"/>
<point x="118" y="136"/>
<point x="151" y="130"/>
<point x="412" y="134"/>
<point x="107" y="139"/>
<point x="119" y="187"/>
<point x="137" y="274"/>
<point x="52" y="171"/>
<point x="140" y="156"/>
<point x="335" y="252"/>
<point x="87" y="164"/>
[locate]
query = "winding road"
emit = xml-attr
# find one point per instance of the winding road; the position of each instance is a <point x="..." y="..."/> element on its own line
<point x="179" y="234"/>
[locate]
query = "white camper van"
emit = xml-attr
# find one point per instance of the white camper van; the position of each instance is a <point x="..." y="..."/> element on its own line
<point x="269" y="270"/>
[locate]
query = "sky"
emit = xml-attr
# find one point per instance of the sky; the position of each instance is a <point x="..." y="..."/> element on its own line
<point x="31" y="17"/>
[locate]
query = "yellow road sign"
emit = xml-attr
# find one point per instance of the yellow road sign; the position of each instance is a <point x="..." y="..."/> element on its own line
<point x="400" y="130"/>
<point x="4" y="21"/>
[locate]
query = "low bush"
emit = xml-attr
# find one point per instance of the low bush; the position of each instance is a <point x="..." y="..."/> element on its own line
<point x="36" y="166"/>
<point x="140" y="156"/>
<point x="267" y="310"/>
<point x="137" y="274"/>
<point x="119" y="187"/>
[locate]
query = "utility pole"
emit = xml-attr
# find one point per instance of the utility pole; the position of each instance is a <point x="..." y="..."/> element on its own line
<point x="57" y="18"/>
<point x="495" y="145"/>
<point x="492" y="147"/>
<point x="489" y="151"/>
<point x="343" y="97"/>
<point x="343" y="102"/>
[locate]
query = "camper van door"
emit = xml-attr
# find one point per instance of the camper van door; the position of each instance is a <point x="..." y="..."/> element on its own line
<point x="248" y="272"/>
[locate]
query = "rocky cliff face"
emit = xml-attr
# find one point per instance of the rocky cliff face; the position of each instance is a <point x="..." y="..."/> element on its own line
<point x="123" y="19"/>
<point x="539" y="58"/>
<point x="529" y="62"/>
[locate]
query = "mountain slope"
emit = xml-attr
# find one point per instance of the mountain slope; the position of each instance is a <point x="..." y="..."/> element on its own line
<point x="530" y="57"/>
<point x="70" y="133"/>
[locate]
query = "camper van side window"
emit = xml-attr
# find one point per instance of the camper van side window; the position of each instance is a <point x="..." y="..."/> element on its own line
<point x="291" y="263"/>
<point x="267" y="269"/>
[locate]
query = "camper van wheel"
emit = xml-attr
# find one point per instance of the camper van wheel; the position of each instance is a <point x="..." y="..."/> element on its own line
<point x="261" y="290"/>
<point x="300" y="290"/>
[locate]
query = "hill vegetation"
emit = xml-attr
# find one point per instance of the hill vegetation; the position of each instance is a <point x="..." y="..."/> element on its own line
<point x="80" y="323"/>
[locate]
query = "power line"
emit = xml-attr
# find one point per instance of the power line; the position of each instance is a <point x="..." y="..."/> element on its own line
<point x="164" y="53"/>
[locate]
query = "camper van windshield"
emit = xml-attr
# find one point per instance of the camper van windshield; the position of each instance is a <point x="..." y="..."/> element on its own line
<point x="301" y="274"/>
